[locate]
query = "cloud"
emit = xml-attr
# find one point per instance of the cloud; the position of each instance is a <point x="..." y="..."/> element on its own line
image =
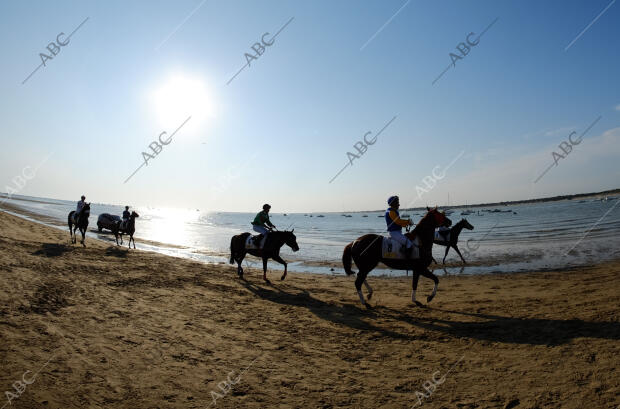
<point x="617" y="108"/>
<point x="512" y="177"/>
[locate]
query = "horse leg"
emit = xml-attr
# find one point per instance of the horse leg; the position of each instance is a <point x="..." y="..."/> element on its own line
<point x="279" y="260"/>
<point x="414" y="287"/>
<point x="369" y="289"/>
<point x="426" y="273"/>
<point x="361" y="278"/>
<point x="446" y="255"/>
<point x="459" y="253"/>
<point x="239" y="268"/>
<point x="83" y="236"/>
<point x="265" y="269"/>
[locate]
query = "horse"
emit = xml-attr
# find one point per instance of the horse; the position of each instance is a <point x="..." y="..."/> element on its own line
<point x="81" y="223"/>
<point x="366" y="252"/>
<point x="454" y="238"/>
<point x="130" y="228"/>
<point x="271" y="249"/>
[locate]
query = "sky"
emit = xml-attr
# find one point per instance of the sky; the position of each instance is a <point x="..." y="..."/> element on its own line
<point x="277" y="123"/>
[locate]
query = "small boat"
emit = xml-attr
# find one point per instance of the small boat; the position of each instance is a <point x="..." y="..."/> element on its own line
<point x="285" y="214"/>
<point x="320" y="215"/>
<point x="365" y="215"/>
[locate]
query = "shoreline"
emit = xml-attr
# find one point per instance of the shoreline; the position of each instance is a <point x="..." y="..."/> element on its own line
<point x="515" y="263"/>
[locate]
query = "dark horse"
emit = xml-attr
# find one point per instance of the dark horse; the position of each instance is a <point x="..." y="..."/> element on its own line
<point x="81" y="223"/>
<point x="366" y="253"/>
<point x="129" y="228"/>
<point x="275" y="240"/>
<point x="454" y="239"/>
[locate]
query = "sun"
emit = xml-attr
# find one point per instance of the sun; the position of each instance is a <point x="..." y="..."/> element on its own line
<point x="180" y="97"/>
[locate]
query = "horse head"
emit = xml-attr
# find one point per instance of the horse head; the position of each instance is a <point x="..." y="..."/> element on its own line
<point x="466" y="224"/>
<point x="290" y="240"/>
<point x="134" y="215"/>
<point x="85" y="209"/>
<point x="438" y="218"/>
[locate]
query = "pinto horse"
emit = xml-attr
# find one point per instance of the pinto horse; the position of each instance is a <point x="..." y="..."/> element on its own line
<point x="454" y="239"/>
<point x="366" y="252"/>
<point x="81" y="223"/>
<point x="271" y="249"/>
<point x="129" y="229"/>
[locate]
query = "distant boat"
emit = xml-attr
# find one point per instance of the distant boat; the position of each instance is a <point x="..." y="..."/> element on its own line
<point x="365" y="215"/>
<point x="320" y="215"/>
<point x="285" y="214"/>
<point x="380" y="215"/>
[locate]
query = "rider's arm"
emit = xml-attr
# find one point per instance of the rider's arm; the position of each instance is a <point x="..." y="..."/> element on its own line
<point x="268" y="222"/>
<point x="397" y="220"/>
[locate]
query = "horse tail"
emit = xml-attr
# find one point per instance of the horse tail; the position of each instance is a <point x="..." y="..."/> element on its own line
<point x="346" y="259"/>
<point x="232" y="252"/>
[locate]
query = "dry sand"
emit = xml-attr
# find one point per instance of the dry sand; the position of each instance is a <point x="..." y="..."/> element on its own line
<point x="111" y="328"/>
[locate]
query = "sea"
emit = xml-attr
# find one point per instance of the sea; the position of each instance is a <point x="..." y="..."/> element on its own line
<point x="505" y="239"/>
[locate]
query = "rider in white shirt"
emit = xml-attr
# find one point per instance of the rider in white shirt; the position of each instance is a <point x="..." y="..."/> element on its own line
<point x="80" y="206"/>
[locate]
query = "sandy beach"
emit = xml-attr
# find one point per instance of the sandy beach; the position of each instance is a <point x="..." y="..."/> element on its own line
<point x="102" y="326"/>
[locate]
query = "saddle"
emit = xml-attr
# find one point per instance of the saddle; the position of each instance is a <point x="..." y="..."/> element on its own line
<point x="394" y="250"/>
<point x="251" y="240"/>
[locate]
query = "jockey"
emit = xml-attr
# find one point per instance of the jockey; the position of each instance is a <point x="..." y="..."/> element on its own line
<point x="262" y="224"/>
<point x="443" y="232"/>
<point x="126" y="217"/>
<point x="80" y="206"/>
<point x="395" y="225"/>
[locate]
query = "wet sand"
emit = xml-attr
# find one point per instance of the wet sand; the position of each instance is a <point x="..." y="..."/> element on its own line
<point x="108" y="327"/>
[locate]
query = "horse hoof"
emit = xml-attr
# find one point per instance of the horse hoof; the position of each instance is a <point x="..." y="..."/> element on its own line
<point x="430" y="298"/>
<point x="283" y="277"/>
<point x="368" y="306"/>
<point x="419" y="304"/>
<point x="369" y="296"/>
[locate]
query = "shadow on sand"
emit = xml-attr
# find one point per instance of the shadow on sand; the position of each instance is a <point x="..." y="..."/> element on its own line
<point x="344" y="314"/>
<point x="116" y="252"/>
<point x="52" y="250"/>
<point x="457" y="324"/>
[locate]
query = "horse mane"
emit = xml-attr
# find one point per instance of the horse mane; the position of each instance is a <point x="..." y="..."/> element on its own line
<point x="422" y="223"/>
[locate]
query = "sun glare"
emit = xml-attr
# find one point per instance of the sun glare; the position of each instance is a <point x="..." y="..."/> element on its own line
<point x="180" y="97"/>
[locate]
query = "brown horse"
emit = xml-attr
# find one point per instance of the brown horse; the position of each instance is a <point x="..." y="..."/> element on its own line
<point x="366" y="252"/>
<point x="274" y="241"/>
<point x="129" y="229"/>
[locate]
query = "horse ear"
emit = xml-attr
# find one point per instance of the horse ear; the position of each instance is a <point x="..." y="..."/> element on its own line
<point x="428" y="208"/>
<point x="293" y="230"/>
